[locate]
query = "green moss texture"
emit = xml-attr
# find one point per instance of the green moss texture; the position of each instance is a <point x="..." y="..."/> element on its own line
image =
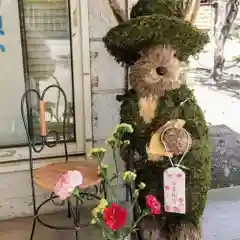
<point x="154" y="22"/>
<point x="198" y="159"/>
<point x="126" y="40"/>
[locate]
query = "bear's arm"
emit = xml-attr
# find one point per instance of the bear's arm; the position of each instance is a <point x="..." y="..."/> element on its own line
<point x="129" y="114"/>
<point x="198" y="159"/>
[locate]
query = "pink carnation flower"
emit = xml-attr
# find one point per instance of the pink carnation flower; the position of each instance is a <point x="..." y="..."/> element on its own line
<point x="67" y="183"/>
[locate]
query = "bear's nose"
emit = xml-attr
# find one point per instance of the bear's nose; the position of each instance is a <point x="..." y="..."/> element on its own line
<point x="161" y="71"/>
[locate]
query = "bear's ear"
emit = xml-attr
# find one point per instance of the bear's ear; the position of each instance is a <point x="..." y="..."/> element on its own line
<point x="191" y="10"/>
<point x="183" y="64"/>
<point x="118" y="12"/>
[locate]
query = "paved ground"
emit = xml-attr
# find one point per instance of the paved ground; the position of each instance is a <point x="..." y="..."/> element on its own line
<point x="221" y="222"/>
<point x="19" y="229"/>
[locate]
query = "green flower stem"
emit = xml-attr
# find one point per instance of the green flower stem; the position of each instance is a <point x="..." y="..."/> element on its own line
<point x="117" y="169"/>
<point x="139" y="219"/>
<point x="99" y="160"/>
<point x="77" y="194"/>
<point x="136" y="223"/>
<point x="112" y="178"/>
<point x="112" y="190"/>
<point x="108" y="186"/>
<point x="115" y="161"/>
<point x="134" y="202"/>
<point x="103" y="227"/>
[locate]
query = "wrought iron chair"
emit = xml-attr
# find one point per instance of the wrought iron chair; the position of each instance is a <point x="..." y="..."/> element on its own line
<point x="47" y="176"/>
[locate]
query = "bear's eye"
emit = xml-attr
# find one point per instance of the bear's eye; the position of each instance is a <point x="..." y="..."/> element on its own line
<point x="175" y="55"/>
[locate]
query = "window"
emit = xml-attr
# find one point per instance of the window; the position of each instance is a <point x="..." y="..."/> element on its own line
<point x="47" y="51"/>
<point x="49" y="60"/>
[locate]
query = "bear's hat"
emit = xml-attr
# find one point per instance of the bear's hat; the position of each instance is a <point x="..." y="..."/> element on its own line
<point x="153" y="22"/>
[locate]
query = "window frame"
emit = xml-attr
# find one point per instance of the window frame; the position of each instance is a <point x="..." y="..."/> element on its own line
<point x="81" y="99"/>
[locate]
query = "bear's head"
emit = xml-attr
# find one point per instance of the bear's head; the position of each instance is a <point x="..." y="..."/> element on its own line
<point x="155" y="42"/>
<point x="157" y="70"/>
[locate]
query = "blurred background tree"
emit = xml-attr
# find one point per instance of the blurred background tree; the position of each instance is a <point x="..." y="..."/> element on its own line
<point x="225" y="14"/>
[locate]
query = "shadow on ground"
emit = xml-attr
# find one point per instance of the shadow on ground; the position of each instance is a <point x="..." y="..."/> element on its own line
<point x="230" y="84"/>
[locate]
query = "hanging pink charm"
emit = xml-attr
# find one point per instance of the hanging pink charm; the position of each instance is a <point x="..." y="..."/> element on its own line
<point x="175" y="190"/>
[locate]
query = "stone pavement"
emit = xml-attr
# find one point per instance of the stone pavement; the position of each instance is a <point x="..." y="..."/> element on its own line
<point x="221" y="221"/>
<point x="20" y="229"/>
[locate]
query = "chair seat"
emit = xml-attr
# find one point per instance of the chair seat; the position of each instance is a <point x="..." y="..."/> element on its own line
<point x="47" y="176"/>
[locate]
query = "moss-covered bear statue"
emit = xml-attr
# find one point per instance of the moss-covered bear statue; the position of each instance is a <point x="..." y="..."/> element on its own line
<point x="170" y="130"/>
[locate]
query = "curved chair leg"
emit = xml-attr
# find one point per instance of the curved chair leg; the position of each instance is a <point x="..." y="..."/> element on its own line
<point x="77" y="218"/>
<point x="77" y="235"/>
<point x="35" y="212"/>
<point x="137" y="234"/>
<point x="33" y="228"/>
<point x="69" y="209"/>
